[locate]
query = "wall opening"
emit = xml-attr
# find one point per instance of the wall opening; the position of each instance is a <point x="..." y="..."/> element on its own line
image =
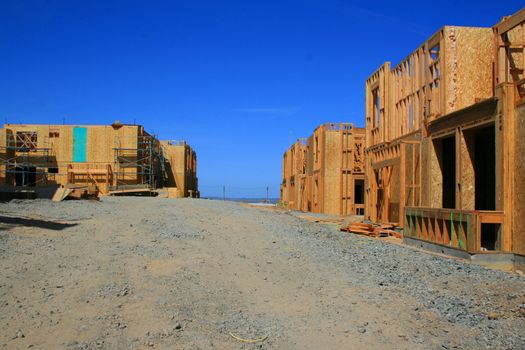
<point x="434" y="75"/>
<point x="26" y="141"/>
<point x="485" y="168"/>
<point x="448" y="172"/>
<point x="359" y="191"/>
<point x="379" y="194"/>
<point x="25" y="176"/>
<point x="376" y="110"/>
<point x="316" y="149"/>
<point x="316" y="191"/>
<point x="490" y="234"/>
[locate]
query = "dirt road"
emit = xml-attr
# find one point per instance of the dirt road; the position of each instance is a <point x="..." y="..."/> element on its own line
<point x="142" y="273"/>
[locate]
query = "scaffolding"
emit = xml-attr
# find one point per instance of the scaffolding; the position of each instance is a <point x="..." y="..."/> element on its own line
<point x="137" y="162"/>
<point x="23" y="160"/>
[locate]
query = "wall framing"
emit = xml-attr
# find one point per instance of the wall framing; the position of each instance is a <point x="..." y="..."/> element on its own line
<point x="322" y="173"/>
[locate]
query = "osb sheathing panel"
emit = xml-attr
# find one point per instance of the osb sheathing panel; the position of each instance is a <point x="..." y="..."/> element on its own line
<point x="310" y="156"/>
<point x="183" y="164"/>
<point x="288" y="169"/>
<point x="102" y="140"/>
<point x="109" y="138"/>
<point x="394" y="188"/>
<point x="467" y="180"/>
<point x="99" y="149"/>
<point x="299" y="157"/>
<point x="296" y="155"/>
<point x="469" y="54"/>
<point x="434" y="194"/>
<point x="370" y="201"/>
<point x="327" y="170"/>
<point x="412" y="174"/>
<point x="518" y="213"/>
<point x="318" y="142"/>
<point x="465" y="72"/>
<point x="332" y="172"/>
<point x="62" y="146"/>
<point x="4" y="154"/>
<point x="425" y="177"/>
<point x="176" y="155"/>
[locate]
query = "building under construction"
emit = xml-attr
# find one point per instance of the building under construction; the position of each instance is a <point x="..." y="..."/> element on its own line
<point x="325" y="173"/>
<point x="114" y="159"/>
<point x="180" y="168"/>
<point x="445" y="132"/>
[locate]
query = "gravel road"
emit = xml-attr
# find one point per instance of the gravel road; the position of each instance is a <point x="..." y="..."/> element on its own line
<point x="153" y="273"/>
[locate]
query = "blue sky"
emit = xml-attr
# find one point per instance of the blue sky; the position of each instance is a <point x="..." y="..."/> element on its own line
<point x="238" y="80"/>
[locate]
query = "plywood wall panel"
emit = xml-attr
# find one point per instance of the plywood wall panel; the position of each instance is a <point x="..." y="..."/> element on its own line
<point x="469" y="54"/>
<point x="332" y="172"/>
<point x="519" y="183"/>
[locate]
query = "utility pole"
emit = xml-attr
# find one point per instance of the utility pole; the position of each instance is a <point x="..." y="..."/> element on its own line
<point x="223" y="193"/>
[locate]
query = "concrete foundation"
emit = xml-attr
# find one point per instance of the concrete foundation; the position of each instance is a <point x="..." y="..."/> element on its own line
<point x="494" y="260"/>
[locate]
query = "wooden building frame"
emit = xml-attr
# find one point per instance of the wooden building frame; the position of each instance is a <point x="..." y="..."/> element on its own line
<point x="180" y="169"/>
<point x="114" y="157"/>
<point x="400" y="103"/>
<point x="325" y="173"/>
<point x="445" y="137"/>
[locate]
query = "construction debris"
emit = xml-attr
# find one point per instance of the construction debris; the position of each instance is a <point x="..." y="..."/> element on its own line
<point x="247" y="340"/>
<point x="61" y="194"/>
<point x="373" y="230"/>
<point x="75" y="192"/>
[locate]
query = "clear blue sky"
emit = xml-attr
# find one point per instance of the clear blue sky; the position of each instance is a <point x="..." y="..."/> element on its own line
<point x="238" y="80"/>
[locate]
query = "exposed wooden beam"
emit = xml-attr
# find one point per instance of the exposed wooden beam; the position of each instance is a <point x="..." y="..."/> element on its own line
<point x="511" y="22"/>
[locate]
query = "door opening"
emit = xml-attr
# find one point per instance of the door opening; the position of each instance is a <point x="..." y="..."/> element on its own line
<point x="448" y="172"/>
<point x="359" y="191"/>
<point x="485" y="168"/>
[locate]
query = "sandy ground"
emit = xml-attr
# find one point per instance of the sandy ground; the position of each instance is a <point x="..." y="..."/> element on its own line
<point x="142" y="273"/>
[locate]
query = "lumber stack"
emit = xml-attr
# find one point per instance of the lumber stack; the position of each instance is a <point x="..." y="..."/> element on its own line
<point x="75" y="192"/>
<point x="371" y="230"/>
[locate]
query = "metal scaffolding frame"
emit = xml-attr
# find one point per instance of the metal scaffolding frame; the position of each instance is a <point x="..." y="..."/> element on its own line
<point x="144" y="155"/>
<point x="22" y="158"/>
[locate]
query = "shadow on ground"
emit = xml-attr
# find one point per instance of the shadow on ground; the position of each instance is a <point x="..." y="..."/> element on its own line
<point x="7" y="222"/>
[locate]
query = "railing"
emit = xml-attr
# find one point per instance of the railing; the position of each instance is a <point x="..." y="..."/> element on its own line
<point x="460" y="229"/>
<point x="359" y="209"/>
<point x="85" y="173"/>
